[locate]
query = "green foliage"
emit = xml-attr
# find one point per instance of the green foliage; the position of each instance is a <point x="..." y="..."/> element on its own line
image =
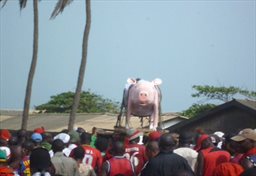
<point x="197" y="109"/>
<point x="89" y="103"/>
<point x="222" y="93"/>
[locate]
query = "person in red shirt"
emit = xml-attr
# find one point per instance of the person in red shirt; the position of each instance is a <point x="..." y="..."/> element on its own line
<point x="92" y="155"/>
<point x="209" y="156"/>
<point x="228" y="169"/>
<point x="118" y="164"/>
<point x="135" y="152"/>
<point x="247" y="142"/>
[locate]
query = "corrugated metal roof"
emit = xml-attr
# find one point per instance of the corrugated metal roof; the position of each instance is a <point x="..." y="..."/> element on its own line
<point x="248" y="103"/>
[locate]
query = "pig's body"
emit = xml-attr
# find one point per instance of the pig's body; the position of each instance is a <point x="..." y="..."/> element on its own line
<point x="142" y="98"/>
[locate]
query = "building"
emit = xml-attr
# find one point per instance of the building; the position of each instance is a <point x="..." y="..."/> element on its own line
<point x="229" y="117"/>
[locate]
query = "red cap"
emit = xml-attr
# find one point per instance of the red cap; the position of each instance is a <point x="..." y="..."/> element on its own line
<point x="200" y="140"/>
<point x="5" y="134"/>
<point x="154" y="136"/>
<point x="39" y="130"/>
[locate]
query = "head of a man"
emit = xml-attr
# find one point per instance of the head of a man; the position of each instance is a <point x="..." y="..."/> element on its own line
<point x="167" y="143"/>
<point x="246" y="139"/>
<point x="152" y="149"/>
<point x="58" y="145"/>
<point x="118" y="148"/>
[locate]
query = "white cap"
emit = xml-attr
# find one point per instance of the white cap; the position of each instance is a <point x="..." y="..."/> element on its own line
<point x="7" y="151"/>
<point x="62" y="136"/>
<point x="219" y="134"/>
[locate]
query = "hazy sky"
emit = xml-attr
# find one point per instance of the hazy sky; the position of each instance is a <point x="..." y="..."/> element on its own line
<point x="184" y="43"/>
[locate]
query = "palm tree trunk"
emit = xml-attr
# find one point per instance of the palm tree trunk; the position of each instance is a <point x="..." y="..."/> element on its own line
<point x="82" y="67"/>
<point x="32" y="69"/>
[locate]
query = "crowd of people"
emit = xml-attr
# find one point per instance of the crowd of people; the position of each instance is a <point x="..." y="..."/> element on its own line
<point x="127" y="153"/>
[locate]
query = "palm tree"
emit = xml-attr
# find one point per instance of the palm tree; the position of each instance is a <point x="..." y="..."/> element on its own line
<point x="61" y="4"/>
<point x="33" y="62"/>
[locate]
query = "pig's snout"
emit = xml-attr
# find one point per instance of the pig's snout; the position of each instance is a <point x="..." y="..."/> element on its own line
<point x="143" y="97"/>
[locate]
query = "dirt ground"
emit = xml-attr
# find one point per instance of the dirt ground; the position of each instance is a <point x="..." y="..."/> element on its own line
<point x="57" y="122"/>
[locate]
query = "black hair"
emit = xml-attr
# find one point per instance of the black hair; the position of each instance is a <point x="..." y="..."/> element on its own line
<point x="78" y="152"/>
<point x="57" y="145"/>
<point x="167" y="142"/>
<point x="40" y="159"/>
<point x="102" y="143"/>
<point x="85" y="138"/>
<point x="118" y="148"/>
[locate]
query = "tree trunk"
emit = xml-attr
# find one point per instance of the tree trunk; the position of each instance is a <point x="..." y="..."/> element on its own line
<point x="32" y="69"/>
<point x="82" y="67"/>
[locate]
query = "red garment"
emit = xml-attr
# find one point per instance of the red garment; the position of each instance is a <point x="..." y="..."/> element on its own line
<point x="206" y="151"/>
<point x="108" y="155"/>
<point x="236" y="158"/>
<point x="6" y="171"/>
<point x="93" y="157"/>
<point x="228" y="169"/>
<point x="200" y="141"/>
<point x="40" y="130"/>
<point x="248" y="153"/>
<point x="137" y="155"/>
<point x="5" y="134"/>
<point x="213" y="159"/>
<point x="120" y="165"/>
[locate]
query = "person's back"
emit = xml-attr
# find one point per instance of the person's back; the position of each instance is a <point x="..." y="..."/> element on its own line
<point x="137" y="155"/>
<point x="189" y="154"/>
<point x="118" y="164"/>
<point x="40" y="163"/>
<point x="64" y="165"/>
<point x="213" y="159"/>
<point x="84" y="169"/>
<point x="92" y="155"/>
<point x="166" y="163"/>
<point x="184" y="150"/>
<point x="228" y="168"/>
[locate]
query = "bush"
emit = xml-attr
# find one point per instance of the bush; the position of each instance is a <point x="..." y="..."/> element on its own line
<point x="89" y="103"/>
<point x="197" y="109"/>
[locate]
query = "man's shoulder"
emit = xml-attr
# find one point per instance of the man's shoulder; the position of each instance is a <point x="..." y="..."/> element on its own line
<point x="185" y="151"/>
<point x="170" y="156"/>
<point x="62" y="157"/>
<point x="88" y="147"/>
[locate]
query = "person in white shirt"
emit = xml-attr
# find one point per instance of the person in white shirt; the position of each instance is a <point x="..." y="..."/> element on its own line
<point x="185" y="150"/>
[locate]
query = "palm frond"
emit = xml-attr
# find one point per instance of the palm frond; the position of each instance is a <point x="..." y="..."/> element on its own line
<point x="4" y="2"/>
<point x="60" y="6"/>
<point x="23" y="4"/>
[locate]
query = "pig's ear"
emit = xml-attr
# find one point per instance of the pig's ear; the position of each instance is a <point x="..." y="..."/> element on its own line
<point x="157" y="81"/>
<point x="131" y="81"/>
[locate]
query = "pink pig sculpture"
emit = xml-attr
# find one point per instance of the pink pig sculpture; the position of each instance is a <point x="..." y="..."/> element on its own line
<point x="143" y="99"/>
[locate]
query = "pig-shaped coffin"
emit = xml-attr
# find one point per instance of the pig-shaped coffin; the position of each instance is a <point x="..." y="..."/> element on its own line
<point x="141" y="98"/>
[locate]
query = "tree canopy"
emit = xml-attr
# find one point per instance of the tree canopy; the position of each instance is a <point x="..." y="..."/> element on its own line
<point x="224" y="94"/>
<point x="210" y="93"/>
<point x="89" y="103"/>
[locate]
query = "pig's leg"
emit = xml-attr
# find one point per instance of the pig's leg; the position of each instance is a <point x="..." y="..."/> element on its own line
<point x="151" y="122"/>
<point x="155" y="117"/>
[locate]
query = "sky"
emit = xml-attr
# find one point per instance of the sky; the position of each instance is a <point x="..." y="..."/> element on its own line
<point x="184" y="43"/>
